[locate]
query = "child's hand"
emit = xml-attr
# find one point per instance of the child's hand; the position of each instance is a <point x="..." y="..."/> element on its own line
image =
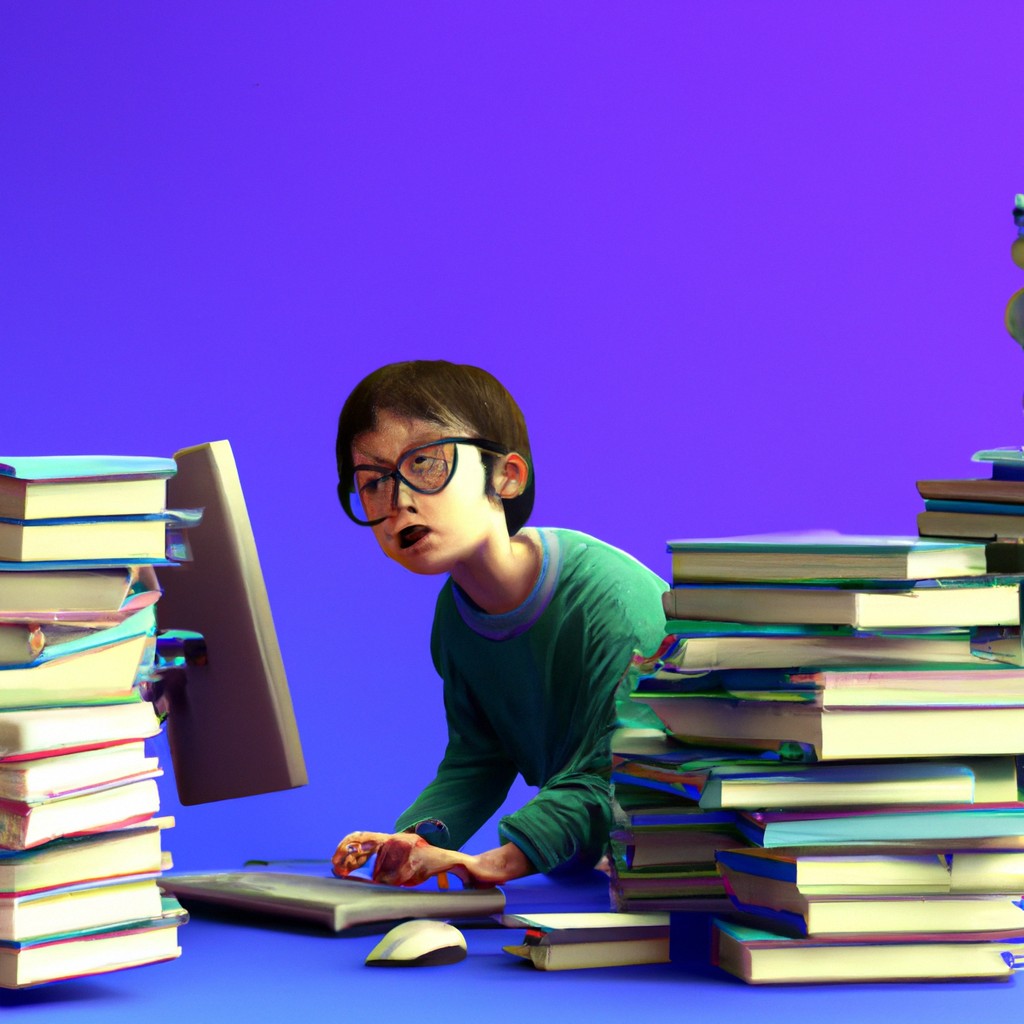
<point x="402" y="858"/>
<point x="355" y="850"/>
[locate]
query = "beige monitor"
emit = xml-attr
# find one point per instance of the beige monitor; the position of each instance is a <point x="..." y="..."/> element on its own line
<point x="230" y="727"/>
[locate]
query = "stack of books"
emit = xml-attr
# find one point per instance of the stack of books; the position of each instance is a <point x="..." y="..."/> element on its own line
<point x="664" y="843"/>
<point x="823" y="689"/>
<point x="989" y="508"/>
<point x="80" y="840"/>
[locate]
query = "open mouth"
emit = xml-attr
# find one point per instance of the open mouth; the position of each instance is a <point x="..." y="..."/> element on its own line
<point x="411" y="534"/>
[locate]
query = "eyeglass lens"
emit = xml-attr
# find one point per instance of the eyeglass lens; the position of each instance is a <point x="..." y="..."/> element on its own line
<point x="424" y="469"/>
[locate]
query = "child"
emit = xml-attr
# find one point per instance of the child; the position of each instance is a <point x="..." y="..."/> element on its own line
<point x="532" y="631"/>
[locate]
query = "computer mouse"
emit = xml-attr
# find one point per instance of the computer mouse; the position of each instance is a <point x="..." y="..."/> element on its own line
<point x="419" y="943"/>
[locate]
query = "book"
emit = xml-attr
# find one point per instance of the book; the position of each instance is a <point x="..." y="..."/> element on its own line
<point x="20" y="642"/>
<point x="659" y="847"/>
<point x="762" y="957"/>
<point x="650" y="834"/>
<point x="986" y="870"/>
<point x="554" y="929"/>
<point x="48" y="778"/>
<point x="982" y="684"/>
<point x="46" y="487"/>
<point x="877" y="917"/>
<point x="103" y="856"/>
<point x="923" y="606"/>
<point x="337" y="904"/>
<point x="98" y="675"/>
<point x="976" y="525"/>
<point x="136" y="538"/>
<point x="853" y="785"/>
<point x="577" y="955"/>
<point x="695" y="648"/>
<point x="841" y="733"/>
<point x="56" y="912"/>
<point x="996" y="508"/>
<point x="717" y="778"/>
<point x="982" y="489"/>
<point x="40" y="731"/>
<point x="84" y="953"/>
<point x="821" y="555"/>
<point x="998" y="645"/>
<point x="947" y="826"/>
<point x="23" y="826"/>
<point x="699" y="904"/>
<point x="675" y="881"/>
<point x="1007" y="462"/>
<point x="1005" y="557"/>
<point x="24" y="643"/>
<point x="38" y="593"/>
<point x="878" y="871"/>
<point x="593" y="953"/>
<point x="867" y="872"/>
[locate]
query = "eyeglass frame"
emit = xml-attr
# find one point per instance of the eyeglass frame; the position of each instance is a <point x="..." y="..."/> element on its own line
<point x="346" y="490"/>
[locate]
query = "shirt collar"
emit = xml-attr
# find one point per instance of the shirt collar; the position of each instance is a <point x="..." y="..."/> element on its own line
<point x="508" y="624"/>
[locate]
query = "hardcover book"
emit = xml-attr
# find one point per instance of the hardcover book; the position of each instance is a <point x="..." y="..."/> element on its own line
<point x="841" y="733"/>
<point x="763" y="957"/>
<point x="994" y="603"/>
<point x="46" y="487"/>
<point x="821" y="555"/>
<point x="99" y="951"/>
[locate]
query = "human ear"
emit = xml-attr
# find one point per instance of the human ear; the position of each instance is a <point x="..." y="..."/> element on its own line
<point x="511" y="476"/>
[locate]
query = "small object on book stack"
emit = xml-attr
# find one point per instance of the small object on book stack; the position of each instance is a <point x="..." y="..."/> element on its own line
<point x="559" y="942"/>
<point x="985" y="510"/>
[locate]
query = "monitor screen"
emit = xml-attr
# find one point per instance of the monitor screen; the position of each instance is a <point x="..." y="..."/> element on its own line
<point x="230" y="724"/>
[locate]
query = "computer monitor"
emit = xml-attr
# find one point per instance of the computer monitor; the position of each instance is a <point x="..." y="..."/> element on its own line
<point x="230" y="723"/>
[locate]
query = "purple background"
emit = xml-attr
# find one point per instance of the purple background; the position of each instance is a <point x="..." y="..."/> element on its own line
<point x="743" y="265"/>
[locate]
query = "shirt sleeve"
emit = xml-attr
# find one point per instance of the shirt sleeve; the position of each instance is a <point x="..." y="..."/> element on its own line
<point x="472" y="780"/>
<point x="569" y="820"/>
<point x="567" y="823"/>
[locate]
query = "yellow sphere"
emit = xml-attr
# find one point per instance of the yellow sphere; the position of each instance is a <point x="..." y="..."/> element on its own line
<point x="1014" y="317"/>
<point x="1017" y="252"/>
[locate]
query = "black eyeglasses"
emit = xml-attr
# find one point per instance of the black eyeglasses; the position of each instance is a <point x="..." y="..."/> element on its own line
<point x="426" y="469"/>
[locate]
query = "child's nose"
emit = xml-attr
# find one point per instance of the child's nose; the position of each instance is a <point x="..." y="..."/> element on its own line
<point x="403" y="496"/>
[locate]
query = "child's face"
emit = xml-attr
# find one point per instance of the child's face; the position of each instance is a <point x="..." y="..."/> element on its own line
<point x="431" y="533"/>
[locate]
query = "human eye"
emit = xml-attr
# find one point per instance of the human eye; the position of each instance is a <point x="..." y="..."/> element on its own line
<point x="422" y="462"/>
<point x="369" y="484"/>
<point x="426" y="467"/>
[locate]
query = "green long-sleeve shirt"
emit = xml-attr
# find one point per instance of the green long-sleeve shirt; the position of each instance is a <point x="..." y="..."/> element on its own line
<point x="532" y="692"/>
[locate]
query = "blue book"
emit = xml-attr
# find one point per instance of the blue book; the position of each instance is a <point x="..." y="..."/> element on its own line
<point x="845" y="873"/>
<point x="732" y="779"/>
<point x="942" y="825"/>
<point x="85" y="467"/>
<point x="1007" y="463"/>
<point x="892" y="917"/>
<point x="991" y="508"/>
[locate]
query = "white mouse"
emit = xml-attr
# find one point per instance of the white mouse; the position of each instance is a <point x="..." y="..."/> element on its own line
<point x="419" y="944"/>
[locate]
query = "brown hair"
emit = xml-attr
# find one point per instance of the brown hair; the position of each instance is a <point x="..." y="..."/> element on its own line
<point x="452" y="395"/>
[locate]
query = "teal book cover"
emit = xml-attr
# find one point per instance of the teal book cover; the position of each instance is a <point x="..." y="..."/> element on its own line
<point x="84" y="467"/>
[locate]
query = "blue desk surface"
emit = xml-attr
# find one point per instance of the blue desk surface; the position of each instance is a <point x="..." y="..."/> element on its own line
<point x="253" y="969"/>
